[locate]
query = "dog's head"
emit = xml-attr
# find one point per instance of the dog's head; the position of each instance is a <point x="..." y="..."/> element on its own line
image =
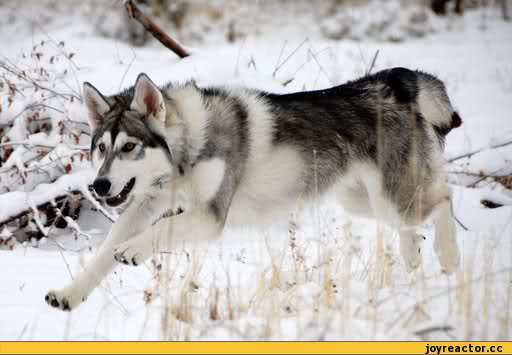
<point x="127" y="145"/>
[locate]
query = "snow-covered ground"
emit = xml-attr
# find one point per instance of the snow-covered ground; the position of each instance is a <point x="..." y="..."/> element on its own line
<point x="329" y="277"/>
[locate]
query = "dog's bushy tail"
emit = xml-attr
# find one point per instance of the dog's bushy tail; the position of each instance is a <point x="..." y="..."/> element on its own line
<point x="435" y="106"/>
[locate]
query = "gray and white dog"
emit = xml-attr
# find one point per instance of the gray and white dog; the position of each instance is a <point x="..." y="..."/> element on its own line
<point x="238" y="156"/>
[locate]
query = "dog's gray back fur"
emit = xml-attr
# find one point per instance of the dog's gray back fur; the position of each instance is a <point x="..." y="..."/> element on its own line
<point x="376" y="118"/>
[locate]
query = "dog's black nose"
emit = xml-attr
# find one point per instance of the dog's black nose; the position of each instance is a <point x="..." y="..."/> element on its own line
<point x="102" y="186"/>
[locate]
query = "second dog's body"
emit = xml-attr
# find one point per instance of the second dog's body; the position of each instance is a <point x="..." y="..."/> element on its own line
<point x="229" y="157"/>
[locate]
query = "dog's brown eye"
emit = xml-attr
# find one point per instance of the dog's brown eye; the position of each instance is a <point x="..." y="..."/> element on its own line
<point x="101" y="147"/>
<point x="128" y="147"/>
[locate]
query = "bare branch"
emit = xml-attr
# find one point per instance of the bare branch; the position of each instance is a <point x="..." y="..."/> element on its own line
<point x="12" y="69"/>
<point x="289" y="56"/>
<point x="374" y="60"/>
<point x="428" y="331"/>
<point x="135" y="13"/>
<point x="470" y="154"/>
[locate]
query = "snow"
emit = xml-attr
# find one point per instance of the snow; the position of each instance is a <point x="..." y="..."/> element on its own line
<point x="388" y="20"/>
<point x="330" y="277"/>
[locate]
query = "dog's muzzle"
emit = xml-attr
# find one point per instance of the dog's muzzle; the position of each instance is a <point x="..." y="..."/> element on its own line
<point x="121" y="197"/>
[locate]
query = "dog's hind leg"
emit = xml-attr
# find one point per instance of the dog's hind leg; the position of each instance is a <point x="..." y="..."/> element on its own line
<point x="410" y="241"/>
<point x="355" y="201"/>
<point x="410" y="248"/>
<point x="387" y="212"/>
<point x="445" y="243"/>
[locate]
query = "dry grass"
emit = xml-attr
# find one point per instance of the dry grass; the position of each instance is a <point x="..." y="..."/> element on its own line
<point x="337" y="288"/>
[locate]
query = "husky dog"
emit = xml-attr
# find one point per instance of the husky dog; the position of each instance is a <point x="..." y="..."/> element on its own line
<point x="181" y="162"/>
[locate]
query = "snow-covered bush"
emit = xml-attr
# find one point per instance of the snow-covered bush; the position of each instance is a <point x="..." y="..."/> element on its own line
<point x="43" y="136"/>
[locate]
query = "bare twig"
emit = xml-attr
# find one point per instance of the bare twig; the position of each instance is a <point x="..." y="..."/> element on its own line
<point x="493" y="175"/>
<point x="428" y="331"/>
<point x="462" y="225"/>
<point x="127" y="69"/>
<point x="135" y="13"/>
<point x="309" y="60"/>
<point x="481" y="176"/>
<point x="6" y="65"/>
<point x="429" y="298"/>
<point x="320" y="66"/>
<point x="279" y="58"/>
<point x="374" y="60"/>
<point x="288" y="57"/>
<point x="470" y="154"/>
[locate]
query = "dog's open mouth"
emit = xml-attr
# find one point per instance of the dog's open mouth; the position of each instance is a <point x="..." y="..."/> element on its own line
<point x="121" y="197"/>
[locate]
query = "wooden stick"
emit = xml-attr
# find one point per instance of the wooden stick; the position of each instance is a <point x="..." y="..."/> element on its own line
<point x="135" y="13"/>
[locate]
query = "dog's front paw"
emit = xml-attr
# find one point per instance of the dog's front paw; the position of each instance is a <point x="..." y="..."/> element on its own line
<point x="132" y="253"/>
<point x="63" y="300"/>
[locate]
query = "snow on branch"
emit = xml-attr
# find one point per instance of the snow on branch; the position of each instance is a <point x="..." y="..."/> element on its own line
<point x="45" y="204"/>
<point x="44" y="143"/>
<point x="16" y="203"/>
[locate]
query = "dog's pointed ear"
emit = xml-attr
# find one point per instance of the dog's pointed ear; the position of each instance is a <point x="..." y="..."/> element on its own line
<point x="97" y="105"/>
<point x="148" y="99"/>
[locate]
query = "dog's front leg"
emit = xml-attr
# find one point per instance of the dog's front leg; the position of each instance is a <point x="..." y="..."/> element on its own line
<point x="168" y="234"/>
<point x="101" y="264"/>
